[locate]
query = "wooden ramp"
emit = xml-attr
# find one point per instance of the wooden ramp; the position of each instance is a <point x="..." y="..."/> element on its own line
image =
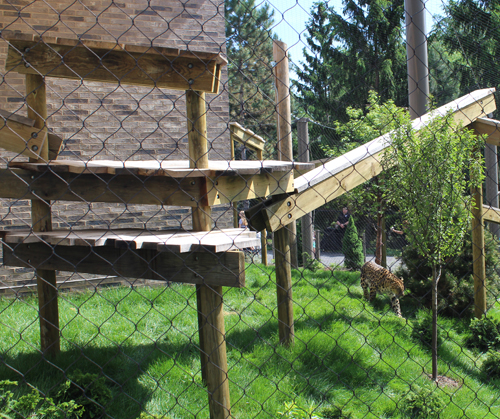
<point x="338" y="176"/>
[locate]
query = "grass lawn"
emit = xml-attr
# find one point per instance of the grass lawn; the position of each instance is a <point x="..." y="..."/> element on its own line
<point x="347" y="353"/>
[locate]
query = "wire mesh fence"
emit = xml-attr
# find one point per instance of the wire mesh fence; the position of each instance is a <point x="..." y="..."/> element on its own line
<point x="239" y="209"/>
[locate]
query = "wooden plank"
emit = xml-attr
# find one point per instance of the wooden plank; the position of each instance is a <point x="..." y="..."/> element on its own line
<point x="226" y="269"/>
<point x="490" y="128"/>
<point x="246" y="137"/>
<point x="94" y="61"/>
<point x="344" y="173"/>
<point x="491" y="214"/>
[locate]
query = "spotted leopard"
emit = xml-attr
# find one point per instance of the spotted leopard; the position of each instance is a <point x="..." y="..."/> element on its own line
<point x="381" y="280"/>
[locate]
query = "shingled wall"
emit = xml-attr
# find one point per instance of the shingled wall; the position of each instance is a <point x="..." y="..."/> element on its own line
<point x="118" y="122"/>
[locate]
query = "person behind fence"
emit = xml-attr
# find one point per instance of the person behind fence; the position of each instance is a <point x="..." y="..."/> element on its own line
<point x="243" y="222"/>
<point x="343" y="220"/>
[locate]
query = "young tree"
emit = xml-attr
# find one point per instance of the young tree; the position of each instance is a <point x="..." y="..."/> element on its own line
<point x="430" y="178"/>
<point x="352" y="247"/>
<point x="249" y="44"/>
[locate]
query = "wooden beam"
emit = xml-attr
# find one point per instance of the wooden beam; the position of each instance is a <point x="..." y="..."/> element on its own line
<point x="224" y="269"/>
<point x="113" y="63"/>
<point x="478" y="254"/>
<point x="491" y="214"/>
<point x="344" y="173"/>
<point x="246" y="137"/>
<point x="41" y="219"/>
<point x="490" y="128"/>
<point x="159" y="190"/>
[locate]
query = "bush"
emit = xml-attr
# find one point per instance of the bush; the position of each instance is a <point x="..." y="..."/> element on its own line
<point x="423" y="403"/>
<point x="484" y="334"/>
<point x="456" y="286"/>
<point x="34" y="405"/>
<point x="491" y="366"/>
<point x="334" y="412"/>
<point x="86" y="389"/>
<point x="352" y="247"/>
<point x="422" y="328"/>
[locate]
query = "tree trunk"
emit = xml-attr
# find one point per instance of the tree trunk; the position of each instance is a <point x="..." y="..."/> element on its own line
<point x="436" y="274"/>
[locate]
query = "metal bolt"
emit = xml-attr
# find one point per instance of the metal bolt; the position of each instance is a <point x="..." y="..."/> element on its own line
<point x="27" y="65"/>
<point x="217" y="182"/>
<point x="217" y="196"/>
<point x="26" y="49"/>
<point x="190" y="81"/>
<point x="34" y="134"/>
<point x="289" y="215"/>
<point x="29" y="260"/>
<point x="34" y="148"/>
<point x="193" y="182"/>
<point x="192" y="199"/>
<point x="288" y="204"/>
<point x="190" y="66"/>
<point x="196" y="258"/>
<point x="32" y="177"/>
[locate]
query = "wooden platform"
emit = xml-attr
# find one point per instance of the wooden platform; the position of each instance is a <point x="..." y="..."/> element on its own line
<point x="110" y="62"/>
<point x="153" y="182"/>
<point x="210" y="258"/>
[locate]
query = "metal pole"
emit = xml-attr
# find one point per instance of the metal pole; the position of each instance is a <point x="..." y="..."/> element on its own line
<point x="416" y="52"/>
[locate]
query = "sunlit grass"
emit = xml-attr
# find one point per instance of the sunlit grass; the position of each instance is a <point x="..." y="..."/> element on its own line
<point x="347" y="352"/>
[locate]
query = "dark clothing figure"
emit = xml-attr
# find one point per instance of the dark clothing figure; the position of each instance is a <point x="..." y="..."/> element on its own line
<point x="343" y="220"/>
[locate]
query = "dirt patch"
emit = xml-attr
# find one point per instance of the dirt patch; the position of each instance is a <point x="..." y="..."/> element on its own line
<point x="443" y="381"/>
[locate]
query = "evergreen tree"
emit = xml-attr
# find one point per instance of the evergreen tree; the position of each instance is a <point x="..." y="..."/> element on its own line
<point x="352" y="247"/>
<point x="472" y="29"/>
<point x="250" y="54"/>
<point x="350" y="54"/>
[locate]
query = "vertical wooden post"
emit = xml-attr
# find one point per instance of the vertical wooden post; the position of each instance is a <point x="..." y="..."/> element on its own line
<point x="478" y="256"/>
<point x="491" y="183"/>
<point x="209" y="299"/>
<point x="41" y="219"/>
<point x="306" y="220"/>
<point x="263" y="233"/>
<point x="282" y="237"/>
<point x="318" y="245"/>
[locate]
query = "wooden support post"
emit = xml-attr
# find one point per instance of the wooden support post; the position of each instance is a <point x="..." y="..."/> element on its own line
<point x="285" y="238"/>
<point x="209" y="298"/>
<point x="318" y="245"/>
<point x="263" y="233"/>
<point x="491" y="183"/>
<point x="284" y="286"/>
<point x="41" y="219"/>
<point x="478" y="256"/>
<point x="306" y="220"/>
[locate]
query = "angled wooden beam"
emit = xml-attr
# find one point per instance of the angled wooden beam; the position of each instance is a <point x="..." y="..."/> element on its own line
<point x="340" y="175"/>
<point x="490" y="128"/>
<point x="246" y="137"/>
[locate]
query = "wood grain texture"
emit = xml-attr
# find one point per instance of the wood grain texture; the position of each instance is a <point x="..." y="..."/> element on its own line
<point x="41" y="220"/>
<point x="491" y="214"/>
<point x="247" y="137"/>
<point x="115" y="63"/>
<point x="490" y="128"/>
<point x="226" y="269"/>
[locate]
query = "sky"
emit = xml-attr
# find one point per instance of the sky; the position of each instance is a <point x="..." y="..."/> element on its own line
<point x="291" y="16"/>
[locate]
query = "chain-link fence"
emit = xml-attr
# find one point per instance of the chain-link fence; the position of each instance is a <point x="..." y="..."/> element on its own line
<point x="249" y="209"/>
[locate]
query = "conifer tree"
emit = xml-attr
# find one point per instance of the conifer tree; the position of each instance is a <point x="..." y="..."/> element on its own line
<point x="249" y="44"/>
<point x="352" y="247"/>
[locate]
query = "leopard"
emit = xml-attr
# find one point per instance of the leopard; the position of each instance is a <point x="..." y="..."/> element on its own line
<point x="381" y="280"/>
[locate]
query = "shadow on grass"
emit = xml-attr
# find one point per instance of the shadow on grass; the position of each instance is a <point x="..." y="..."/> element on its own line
<point x="131" y="372"/>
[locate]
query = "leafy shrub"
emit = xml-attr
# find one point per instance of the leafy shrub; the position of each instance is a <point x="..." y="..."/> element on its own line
<point x="484" y="334"/>
<point x="423" y="403"/>
<point x="491" y="366"/>
<point x="86" y="389"/>
<point x="456" y="286"/>
<point x="34" y="404"/>
<point x="148" y="416"/>
<point x="422" y="328"/>
<point x="334" y="412"/>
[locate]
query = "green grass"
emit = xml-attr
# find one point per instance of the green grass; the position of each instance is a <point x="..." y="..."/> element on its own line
<point x="347" y="352"/>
